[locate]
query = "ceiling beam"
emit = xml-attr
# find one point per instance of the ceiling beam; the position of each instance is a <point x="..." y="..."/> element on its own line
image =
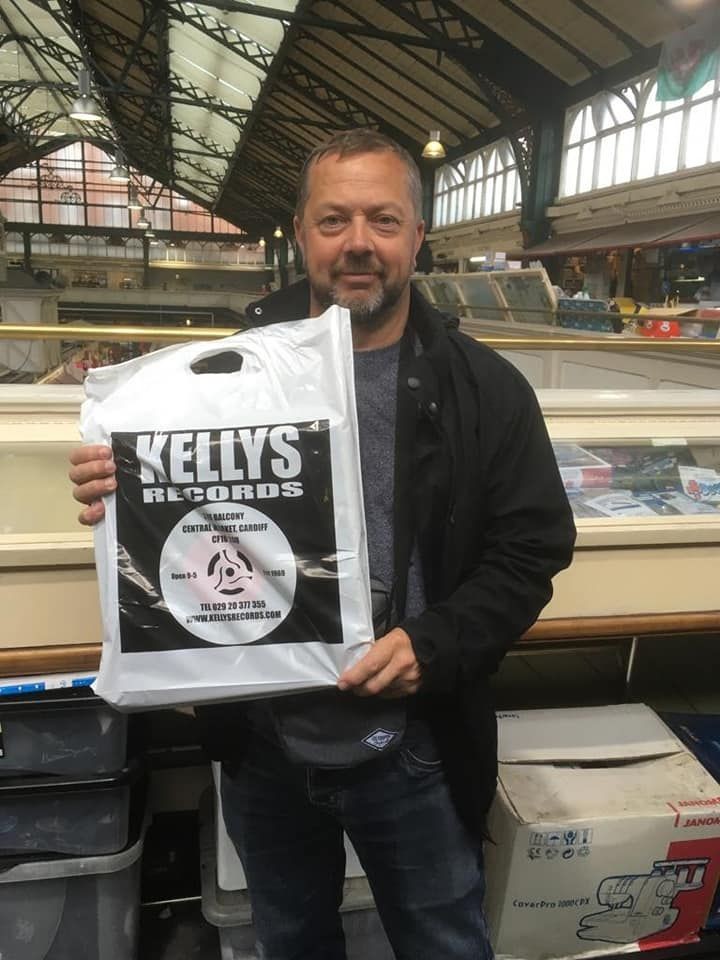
<point x="498" y="100"/>
<point x="590" y="65"/>
<point x="383" y="119"/>
<point x="348" y="101"/>
<point x="49" y="48"/>
<point x="52" y="229"/>
<point x="249" y="127"/>
<point x="617" y="75"/>
<point x="162" y="35"/>
<point x="249" y="50"/>
<point x="508" y="129"/>
<point x="301" y="18"/>
<point x="209" y="147"/>
<point x="281" y="142"/>
<point x="150" y="19"/>
<point x="22" y="156"/>
<point x="25" y="129"/>
<point x="31" y="129"/>
<point x="628" y="41"/>
<point x="504" y="73"/>
<point x="429" y="90"/>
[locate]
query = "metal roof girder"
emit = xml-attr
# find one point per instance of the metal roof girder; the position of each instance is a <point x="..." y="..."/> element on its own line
<point x="266" y="203"/>
<point x="253" y="172"/>
<point x="335" y="96"/>
<point x="269" y="135"/>
<point x="628" y="41"/>
<point x="281" y="54"/>
<point x="210" y="147"/>
<point x="422" y="62"/>
<point x="326" y="127"/>
<point x="399" y="136"/>
<point x="307" y="85"/>
<point x="227" y="36"/>
<point x="201" y="98"/>
<point x="25" y="128"/>
<point x="257" y="199"/>
<point x="143" y="59"/>
<point x="300" y="18"/>
<point x="254" y="152"/>
<point x="151" y="17"/>
<point x="160" y="20"/>
<point x="61" y="106"/>
<point x="498" y="99"/>
<point x="49" y="48"/>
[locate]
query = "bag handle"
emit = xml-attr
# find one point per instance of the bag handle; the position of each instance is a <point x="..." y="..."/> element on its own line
<point x="223" y="362"/>
<point x="223" y="357"/>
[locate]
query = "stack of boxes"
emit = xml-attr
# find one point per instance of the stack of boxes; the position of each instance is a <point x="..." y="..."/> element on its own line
<point x="71" y="829"/>
<point x="226" y="905"/>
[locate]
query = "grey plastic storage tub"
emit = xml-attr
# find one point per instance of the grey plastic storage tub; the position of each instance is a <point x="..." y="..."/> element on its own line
<point x="74" y="909"/>
<point x="76" y="817"/>
<point x="68" y="733"/>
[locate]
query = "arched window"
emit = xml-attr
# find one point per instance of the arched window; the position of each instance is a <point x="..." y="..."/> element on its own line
<point x="449" y="193"/>
<point x="72" y="187"/>
<point x="482" y="185"/>
<point x="626" y="135"/>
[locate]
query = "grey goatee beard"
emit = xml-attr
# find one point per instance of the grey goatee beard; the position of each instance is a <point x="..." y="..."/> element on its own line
<point x="368" y="312"/>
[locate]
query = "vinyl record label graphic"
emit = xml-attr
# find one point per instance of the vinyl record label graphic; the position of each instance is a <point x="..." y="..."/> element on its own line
<point x="227" y="573"/>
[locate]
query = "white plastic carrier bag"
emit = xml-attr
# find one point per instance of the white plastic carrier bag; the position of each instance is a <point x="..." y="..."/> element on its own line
<point x="232" y="561"/>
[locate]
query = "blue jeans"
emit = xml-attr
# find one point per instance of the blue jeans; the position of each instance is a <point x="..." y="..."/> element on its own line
<point x="424" y="868"/>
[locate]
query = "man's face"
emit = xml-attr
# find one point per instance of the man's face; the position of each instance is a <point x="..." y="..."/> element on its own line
<point x="359" y="234"/>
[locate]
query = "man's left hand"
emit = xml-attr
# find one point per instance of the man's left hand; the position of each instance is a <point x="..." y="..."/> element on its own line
<point x="389" y="669"/>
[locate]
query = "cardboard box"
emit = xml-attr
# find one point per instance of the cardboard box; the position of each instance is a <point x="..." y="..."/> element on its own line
<point x="607" y="835"/>
<point x="701" y="734"/>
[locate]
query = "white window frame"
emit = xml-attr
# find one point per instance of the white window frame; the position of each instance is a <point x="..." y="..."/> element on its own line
<point x="477" y="186"/>
<point x="640" y="98"/>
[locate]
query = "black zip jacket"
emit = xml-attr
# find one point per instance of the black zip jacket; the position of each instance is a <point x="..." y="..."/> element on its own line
<point x="477" y="484"/>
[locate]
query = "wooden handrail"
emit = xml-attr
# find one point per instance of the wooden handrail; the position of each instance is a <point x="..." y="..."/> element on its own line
<point x="38" y="661"/>
<point x="634" y="625"/>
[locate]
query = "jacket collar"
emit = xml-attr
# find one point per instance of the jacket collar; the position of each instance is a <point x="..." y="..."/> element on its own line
<point x="289" y="303"/>
<point x="293" y="303"/>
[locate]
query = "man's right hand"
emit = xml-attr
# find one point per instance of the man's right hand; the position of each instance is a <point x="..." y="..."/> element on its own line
<point x="93" y="477"/>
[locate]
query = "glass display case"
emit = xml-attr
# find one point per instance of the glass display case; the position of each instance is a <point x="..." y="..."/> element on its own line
<point x="527" y="297"/>
<point x="514" y="296"/>
<point x="642" y="473"/>
<point x="641" y="468"/>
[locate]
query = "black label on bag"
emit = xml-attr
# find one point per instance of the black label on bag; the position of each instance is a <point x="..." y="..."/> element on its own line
<point x="226" y="537"/>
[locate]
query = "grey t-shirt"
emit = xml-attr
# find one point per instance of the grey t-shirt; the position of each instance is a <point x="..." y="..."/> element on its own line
<point x="330" y="728"/>
<point x="376" y="373"/>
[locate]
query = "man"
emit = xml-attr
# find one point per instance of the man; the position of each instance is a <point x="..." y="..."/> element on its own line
<point x="467" y="523"/>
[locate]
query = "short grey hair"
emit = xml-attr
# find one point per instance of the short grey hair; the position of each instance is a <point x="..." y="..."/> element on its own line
<point x="348" y="143"/>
